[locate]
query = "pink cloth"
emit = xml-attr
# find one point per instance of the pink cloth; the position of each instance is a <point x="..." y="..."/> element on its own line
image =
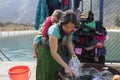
<point x="46" y="25"/>
<point x="65" y="2"/>
<point x="100" y="38"/>
<point x="78" y="51"/>
<point x="99" y="45"/>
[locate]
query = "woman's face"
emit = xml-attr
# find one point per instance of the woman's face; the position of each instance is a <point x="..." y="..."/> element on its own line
<point x="68" y="27"/>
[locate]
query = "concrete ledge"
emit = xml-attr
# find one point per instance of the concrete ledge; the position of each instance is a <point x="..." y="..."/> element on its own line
<point x="16" y="33"/>
<point x="5" y="66"/>
<point x="114" y="65"/>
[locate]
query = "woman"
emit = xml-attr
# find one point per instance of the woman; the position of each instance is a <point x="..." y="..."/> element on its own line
<point x="49" y="60"/>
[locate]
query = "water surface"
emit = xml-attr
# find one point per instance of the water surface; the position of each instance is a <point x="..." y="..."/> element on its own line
<point x="18" y="48"/>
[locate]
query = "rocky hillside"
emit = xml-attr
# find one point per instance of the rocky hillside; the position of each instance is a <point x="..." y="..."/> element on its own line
<point x="18" y="11"/>
<point x="15" y="27"/>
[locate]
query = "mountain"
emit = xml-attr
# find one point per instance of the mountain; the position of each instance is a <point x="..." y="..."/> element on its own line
<point x="18" y="11"/>
<point x="23" y="11"/>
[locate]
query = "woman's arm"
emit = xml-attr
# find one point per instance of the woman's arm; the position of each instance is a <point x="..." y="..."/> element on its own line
<point x="70" y="45"/>
<point x="53" y="48"/>
<point x="53" y="41"/>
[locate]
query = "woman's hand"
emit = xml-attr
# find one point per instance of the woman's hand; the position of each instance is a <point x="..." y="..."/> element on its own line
<point x="74" y="55"/>
<point x="69" y="71"/>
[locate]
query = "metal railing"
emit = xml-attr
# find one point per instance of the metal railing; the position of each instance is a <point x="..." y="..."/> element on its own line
<point x="4" y="56"/>
<point x="113" y="46"/>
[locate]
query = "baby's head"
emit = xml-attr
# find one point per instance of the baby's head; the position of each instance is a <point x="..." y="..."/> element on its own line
<point x="116" y="77"/>
<point x="56" y="15"/>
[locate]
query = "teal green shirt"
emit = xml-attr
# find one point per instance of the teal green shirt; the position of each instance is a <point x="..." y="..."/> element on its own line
<point x="55" y="31"/>
<point x="91" y="25"/>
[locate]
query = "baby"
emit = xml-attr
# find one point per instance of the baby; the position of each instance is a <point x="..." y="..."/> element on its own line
<point x="53" y="19"/>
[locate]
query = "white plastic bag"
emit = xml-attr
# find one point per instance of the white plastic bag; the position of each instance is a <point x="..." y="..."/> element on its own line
<point x="76" y="66"/>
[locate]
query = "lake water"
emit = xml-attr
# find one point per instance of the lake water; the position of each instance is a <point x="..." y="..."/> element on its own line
<point x="17" y="48"/>
<point x="20" y="47"/>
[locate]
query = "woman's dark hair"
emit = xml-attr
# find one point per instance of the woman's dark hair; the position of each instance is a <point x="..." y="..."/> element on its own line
<point x="68" y="16"/>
